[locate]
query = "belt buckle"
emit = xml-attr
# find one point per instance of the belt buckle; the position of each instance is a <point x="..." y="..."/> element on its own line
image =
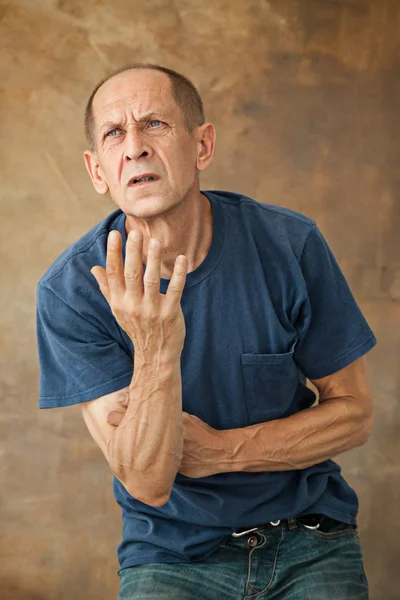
<point x="273" y="523"/>
<point x="312" y="526"/>
<point x="244" y="532"/>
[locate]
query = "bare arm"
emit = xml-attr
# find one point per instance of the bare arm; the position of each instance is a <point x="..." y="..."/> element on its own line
<point x="342" y="420"/>
<point x="145" y="450"/>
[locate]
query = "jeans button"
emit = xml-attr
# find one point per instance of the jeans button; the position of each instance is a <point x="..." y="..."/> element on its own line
<point x="252" y="541"/>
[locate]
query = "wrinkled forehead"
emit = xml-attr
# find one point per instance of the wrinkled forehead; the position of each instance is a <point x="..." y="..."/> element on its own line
<point x="138" y="91"/>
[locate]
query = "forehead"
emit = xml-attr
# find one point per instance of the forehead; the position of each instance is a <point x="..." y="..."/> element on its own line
<point x="138" y="90"/>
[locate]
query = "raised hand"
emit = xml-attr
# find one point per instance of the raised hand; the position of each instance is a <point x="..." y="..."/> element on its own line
<point x="152" y="320"/>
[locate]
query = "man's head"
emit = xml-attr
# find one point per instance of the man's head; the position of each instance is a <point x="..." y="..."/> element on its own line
<point x="145" y="119"/>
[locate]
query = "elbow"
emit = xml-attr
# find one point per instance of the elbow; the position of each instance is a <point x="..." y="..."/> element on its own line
<point x="160" y="501"/>
<point x="368" y="428"/>
<point x="361" y="415"/>
<point x="368" y="421"/>
<point x="141" y="487"/>
<point x="150" y="500"/>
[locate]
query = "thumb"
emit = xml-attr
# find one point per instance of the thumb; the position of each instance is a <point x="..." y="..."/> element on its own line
<point x="100" y="276"/>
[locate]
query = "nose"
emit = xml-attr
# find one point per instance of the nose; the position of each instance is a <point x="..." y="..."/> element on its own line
<point x="135" y="144"/>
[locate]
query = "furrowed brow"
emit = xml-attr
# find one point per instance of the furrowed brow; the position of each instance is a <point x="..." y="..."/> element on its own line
<point x="109" y="125"/>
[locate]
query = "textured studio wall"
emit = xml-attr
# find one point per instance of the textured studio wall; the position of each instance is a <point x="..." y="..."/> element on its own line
<point x="305" y="98"/>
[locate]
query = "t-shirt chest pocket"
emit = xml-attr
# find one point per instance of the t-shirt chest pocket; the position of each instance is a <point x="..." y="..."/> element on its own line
<point x="270" y="382"/>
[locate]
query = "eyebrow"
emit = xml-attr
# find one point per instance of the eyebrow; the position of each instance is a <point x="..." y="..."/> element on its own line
<point x="113" y="124"/>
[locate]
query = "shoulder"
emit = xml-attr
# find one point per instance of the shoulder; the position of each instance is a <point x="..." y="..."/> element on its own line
<point x="265" y="209"/>
<point x="81" y="255"/>
<point x="281" y="226"/>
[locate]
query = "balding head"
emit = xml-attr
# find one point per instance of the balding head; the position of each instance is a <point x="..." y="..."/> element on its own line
<point x="162" y="79"/>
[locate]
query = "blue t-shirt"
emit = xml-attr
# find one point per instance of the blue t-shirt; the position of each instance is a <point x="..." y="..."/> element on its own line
<point x="268" y="307"/>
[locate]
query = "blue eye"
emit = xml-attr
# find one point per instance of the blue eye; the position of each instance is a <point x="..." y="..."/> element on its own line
<point x="156" y="121"/>
<point x="109" y="134"/>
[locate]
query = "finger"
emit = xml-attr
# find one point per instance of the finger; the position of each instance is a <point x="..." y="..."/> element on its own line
<point x="114" y="268"/>
<point x="151" y="279"/>
<point x="100" y="276"/>
<point x="134" y="264"/>
<point x="115" y="417"/>
<point x="178" y="280"/>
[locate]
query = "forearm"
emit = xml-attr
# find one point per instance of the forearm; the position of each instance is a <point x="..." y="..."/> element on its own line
<point x="299" y="441"/>
<point x="146" y="448"/>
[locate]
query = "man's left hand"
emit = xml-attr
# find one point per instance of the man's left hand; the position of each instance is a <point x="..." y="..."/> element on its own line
<point x="204" y="453"/>
<point x="203" y="449"/>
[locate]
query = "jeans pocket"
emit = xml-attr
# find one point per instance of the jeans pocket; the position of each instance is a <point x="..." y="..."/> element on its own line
<point x="270" y="382"/>
<point x="331" y="529"/>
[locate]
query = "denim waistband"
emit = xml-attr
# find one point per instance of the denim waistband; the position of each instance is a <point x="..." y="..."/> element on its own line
<point x="311" y="521"/>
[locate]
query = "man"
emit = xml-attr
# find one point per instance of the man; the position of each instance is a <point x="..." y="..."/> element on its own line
<point x="188" y="354"/>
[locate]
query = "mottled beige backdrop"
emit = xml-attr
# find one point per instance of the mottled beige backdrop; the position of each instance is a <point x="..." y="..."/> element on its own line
<point x="305" y="99"/>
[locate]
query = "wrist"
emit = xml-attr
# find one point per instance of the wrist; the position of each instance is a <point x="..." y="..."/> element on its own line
<point x="159" y="368"/>
<point x="233" y="442"/>
<point x="222" y="444"/>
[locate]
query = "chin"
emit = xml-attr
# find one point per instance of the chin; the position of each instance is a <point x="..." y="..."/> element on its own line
<point x="146" y="207"/>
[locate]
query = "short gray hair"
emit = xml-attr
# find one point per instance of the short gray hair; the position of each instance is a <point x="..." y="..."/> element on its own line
<point x="184" y="92"/>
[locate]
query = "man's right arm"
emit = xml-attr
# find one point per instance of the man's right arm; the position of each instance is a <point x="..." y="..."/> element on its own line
<point x="145" y="450"/>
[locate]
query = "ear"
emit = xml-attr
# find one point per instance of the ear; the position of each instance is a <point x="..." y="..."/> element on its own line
<point x="206" y="137"/>
<point x="96" y="172"/>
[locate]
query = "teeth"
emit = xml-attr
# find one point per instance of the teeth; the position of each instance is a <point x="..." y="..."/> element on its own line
<point x="150" y="178"/>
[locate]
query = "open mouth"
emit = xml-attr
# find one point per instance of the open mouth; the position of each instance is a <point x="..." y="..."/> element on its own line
<point x="135" y="181"/>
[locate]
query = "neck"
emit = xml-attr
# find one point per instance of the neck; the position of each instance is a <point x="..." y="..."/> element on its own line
<point x="186" y="229"/>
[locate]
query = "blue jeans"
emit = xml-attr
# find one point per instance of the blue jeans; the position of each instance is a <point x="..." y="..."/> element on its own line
<point x="284" y="562"/>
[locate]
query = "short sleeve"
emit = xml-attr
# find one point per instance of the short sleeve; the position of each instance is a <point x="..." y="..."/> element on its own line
<point x="332" y="331"/>
<point x="79" y="360"/>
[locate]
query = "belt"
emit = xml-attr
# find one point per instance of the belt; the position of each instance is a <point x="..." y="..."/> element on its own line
<point x="313" y="520"/>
